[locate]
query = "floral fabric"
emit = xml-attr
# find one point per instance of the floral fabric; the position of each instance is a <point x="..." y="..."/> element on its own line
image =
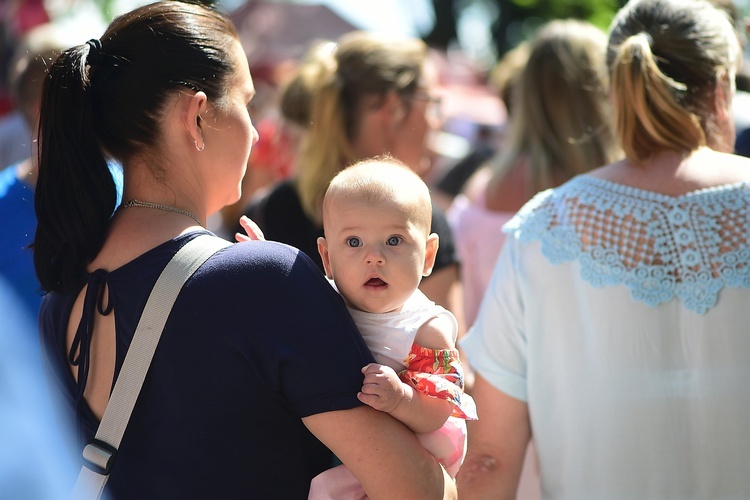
<point x="438" y="373"/>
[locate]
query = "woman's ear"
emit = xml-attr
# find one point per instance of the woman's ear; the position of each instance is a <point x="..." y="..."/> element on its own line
<point x="193" y="122"/>
<point x="723" y="96"/>
<point x="723" y="117"/>
<point x="392" y="110"/>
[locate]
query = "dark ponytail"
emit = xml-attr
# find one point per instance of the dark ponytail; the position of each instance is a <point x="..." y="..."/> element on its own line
<point x="75" y="194"/>
<point x="106" y="99"/>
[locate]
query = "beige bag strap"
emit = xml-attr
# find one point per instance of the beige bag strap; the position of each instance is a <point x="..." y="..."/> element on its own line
<point x="99" y="454"/>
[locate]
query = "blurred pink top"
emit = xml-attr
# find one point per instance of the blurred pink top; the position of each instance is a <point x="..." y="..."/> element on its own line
<point x="479" y="238"/>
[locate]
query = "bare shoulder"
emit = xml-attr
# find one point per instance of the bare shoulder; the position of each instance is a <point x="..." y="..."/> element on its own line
<point x="675" y="174"/>
<point x="477" y="183"/>
<point x="736" y="167"/>
<point x="508" y="191"/>
<point x="436" y="333"/>
<point x="708" y="168"/>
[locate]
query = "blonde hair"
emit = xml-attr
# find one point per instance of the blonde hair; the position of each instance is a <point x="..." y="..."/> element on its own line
<point x="562" y="122"/>
<point x="330" y="92"/>
<point x="666" y="59"/>
<point x="506" y="74"/>
<point x="383" y="180"/>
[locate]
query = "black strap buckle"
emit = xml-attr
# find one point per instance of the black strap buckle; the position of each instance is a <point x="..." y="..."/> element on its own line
<point x="99" y="456"/>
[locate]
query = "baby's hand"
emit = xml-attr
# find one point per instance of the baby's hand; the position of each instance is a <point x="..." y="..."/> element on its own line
<point x="252" y="230"/>
<point x="382" y="389"/>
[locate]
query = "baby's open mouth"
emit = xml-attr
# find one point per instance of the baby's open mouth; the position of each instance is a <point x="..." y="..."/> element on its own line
<point x="375" y="282"/>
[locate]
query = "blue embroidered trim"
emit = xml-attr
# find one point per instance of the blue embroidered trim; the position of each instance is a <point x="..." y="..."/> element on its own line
<point x="658" y="246"/>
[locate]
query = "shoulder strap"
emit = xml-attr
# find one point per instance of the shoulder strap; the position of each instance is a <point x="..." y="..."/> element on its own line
<point x="99" y="454"/>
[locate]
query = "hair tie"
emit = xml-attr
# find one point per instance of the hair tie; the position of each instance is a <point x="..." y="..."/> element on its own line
<point x="94" y="56"/>
<point x="646" y="37"/>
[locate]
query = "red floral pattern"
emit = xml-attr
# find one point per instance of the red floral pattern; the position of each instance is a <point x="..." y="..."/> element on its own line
<point x="438" y="373"/>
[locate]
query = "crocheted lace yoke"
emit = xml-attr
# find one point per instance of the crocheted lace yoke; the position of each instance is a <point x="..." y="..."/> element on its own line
<point x="690" y="246"/>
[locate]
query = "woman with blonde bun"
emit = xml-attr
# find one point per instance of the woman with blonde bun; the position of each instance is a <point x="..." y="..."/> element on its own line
<point x="614" y="328"/>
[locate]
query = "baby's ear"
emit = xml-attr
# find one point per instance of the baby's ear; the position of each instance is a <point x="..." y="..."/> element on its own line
<point x="323" y="251"/>
<point x="431" y="248"/>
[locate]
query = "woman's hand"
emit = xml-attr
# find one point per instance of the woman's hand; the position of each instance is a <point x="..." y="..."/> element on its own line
<point x="252" y="230"/>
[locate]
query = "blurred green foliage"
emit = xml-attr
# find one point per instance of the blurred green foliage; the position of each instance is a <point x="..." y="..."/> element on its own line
<point x="517" y="19"/>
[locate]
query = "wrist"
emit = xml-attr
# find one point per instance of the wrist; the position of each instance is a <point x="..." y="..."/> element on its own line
<point x="407" y="393"/>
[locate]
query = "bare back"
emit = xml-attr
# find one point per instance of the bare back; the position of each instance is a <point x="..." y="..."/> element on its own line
<point x="128" y="240"/>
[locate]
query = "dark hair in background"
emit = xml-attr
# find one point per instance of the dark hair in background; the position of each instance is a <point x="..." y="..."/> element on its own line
<point x="108" y="103"/>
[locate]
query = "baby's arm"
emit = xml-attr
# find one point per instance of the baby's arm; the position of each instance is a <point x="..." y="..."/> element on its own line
<point x="384" y="390"/>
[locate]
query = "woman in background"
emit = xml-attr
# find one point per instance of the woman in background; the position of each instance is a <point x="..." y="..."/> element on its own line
<point x="614" y="329"/>
<point x="561" y="126"/>
<point x="364" y="96"/>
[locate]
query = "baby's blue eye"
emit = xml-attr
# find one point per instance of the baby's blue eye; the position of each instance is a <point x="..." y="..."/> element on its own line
<point x="393" y="241"/>
<point x="354" y="242"/>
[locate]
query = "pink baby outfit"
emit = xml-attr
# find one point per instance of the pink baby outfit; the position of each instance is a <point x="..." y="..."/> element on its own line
<point x="434" y="372"/>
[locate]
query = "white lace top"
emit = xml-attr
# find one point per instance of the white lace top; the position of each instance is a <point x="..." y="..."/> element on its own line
<point x="622" y="317"/>
<point x="658" y="246"/>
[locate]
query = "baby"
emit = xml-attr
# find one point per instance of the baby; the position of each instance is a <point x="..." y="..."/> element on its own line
<point x="376" y="249"/>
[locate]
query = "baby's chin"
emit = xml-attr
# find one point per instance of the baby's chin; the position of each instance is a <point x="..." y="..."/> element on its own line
<point x="370" y="309"/>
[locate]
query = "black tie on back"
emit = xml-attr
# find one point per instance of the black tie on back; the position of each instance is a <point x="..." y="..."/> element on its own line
<point x="79" y="354"/>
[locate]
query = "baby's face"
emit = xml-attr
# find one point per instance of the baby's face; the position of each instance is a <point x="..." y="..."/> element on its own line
<point x="374" y="253"/>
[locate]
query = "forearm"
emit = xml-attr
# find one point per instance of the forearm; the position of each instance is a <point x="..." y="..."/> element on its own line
<point x="421" y="413"/>
<point x="383" y="454"/>
<point x="485" y="476"/>
<point x="496" y="447"/>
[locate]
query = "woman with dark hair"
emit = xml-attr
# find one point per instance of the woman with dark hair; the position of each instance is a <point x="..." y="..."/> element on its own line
<point x="614" y="329"/>
<point x="242" y="398"/>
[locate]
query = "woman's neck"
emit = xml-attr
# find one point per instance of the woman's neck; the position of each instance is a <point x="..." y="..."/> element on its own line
<point x="675" y="173"/>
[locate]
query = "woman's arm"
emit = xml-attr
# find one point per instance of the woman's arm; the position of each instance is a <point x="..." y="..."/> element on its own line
<point x="497" y="445"/>
<point x="382" y="453"/>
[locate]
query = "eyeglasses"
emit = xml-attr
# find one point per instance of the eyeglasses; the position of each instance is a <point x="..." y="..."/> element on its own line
<point x="434" y="108"/>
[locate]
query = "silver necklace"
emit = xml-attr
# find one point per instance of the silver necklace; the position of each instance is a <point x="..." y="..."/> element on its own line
<point x="159" y="206"/>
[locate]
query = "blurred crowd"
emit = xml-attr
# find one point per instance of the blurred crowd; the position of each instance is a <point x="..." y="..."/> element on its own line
<point x="485" y="142"/>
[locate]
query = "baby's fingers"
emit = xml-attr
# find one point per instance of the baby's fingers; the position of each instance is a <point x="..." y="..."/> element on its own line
<point x="251" y="228"/>
<point x="372" y="400"/>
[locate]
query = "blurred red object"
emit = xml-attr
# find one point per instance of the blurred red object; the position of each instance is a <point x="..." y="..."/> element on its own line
<point x="22" y="15"/>
<point x="276" y="149"/>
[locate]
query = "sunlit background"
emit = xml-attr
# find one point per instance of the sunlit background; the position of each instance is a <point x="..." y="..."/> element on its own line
<point x="468" y="37"/>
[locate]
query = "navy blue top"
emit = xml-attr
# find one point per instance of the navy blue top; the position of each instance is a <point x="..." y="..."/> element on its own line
<point x="256" y="340"/>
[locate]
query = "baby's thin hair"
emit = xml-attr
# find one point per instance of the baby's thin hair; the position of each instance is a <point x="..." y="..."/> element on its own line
<point x="383" y="179"/>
